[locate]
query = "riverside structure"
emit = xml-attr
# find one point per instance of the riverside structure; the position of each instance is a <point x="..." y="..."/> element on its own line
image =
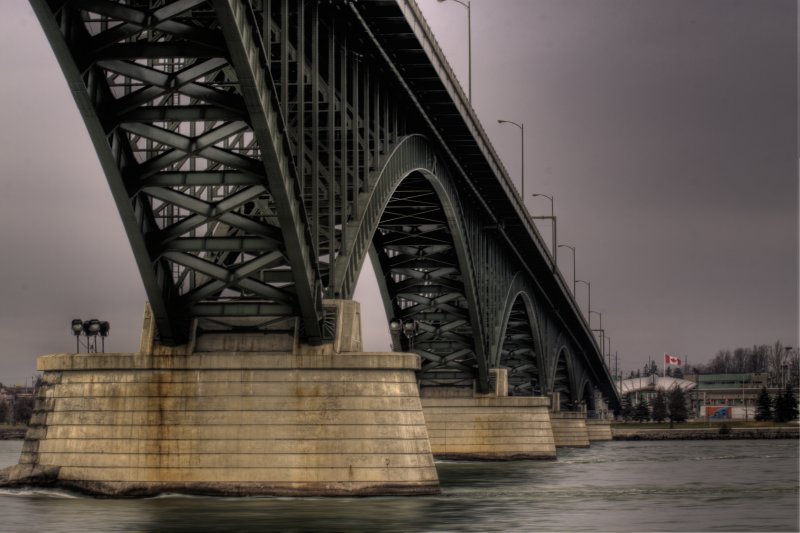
<point x="257" y="152"/>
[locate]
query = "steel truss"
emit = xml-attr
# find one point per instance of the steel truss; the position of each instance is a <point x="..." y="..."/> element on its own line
<point x="259" y="150"/>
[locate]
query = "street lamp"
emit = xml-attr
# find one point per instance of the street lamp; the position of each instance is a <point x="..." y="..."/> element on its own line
<point x="573" y="264"/>
<point x="77" y="328"/>
<point x="600" y="330"/>
<point x="598" y="313"/>
<point x="552" y="217"/>
<point x="521" y="127"/>
<point x="90" y="329"/>
<point x="395" y="326"/>
<point x="408" y="328"/>
<point x="589" y="290"/>
<point x="609" y="350"/>
<point x="469" y="45"/>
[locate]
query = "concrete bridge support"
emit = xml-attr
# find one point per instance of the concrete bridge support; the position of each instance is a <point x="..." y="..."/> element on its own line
<point x="569" y="429"/>
<point x="488" y="427"/>
<point x="232" y="415"/>
<point x="599" y="430"/>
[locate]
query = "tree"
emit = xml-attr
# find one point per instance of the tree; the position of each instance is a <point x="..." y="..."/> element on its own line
<point x="626" y="409"/>
<point x="23" y="409"/>
<point x="676" y="404"/>
<point x="5" y="412"/>
<point x="764" y="405"/>
<point x="790" y="403"/>
<point x="668" y="372"/>
<point x="677" y="373"/>
<point x="659" y="407"/>
<point x="642" y="411"/>
<point x="786" y="405"/>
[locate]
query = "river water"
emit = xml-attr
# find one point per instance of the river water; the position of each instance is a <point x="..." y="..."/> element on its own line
<point x="744" y="485"/>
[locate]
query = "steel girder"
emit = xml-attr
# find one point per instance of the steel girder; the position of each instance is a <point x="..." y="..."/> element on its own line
<point x="259" y="150"/>
<point x="184" y="119"/>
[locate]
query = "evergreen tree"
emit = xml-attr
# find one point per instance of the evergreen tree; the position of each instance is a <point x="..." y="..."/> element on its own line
<point x="642" y="410"/>
<point x="23" y="409"/>
<point x="786" y="406"/>
<point x="668" y="372"/>
<point x="626" y="409"/>
<point x="676" y="403"/>
<point x="790" y="403"/>
<point x="659" y="407"/>
<point x="677" y="373"/>
<point x="764" y="405"/>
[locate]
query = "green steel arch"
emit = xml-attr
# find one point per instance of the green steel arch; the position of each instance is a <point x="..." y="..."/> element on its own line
<point x="258" y="150"/>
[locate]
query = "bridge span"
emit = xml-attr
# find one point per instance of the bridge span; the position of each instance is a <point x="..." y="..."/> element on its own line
<point x="258" y="152"/>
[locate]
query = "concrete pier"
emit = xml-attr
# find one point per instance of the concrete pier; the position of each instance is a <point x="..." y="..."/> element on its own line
<point x="493" y="427"/>
<point x="569" y="429"/>
<point x="306" y="421"/>
<point x="598" y="430"/>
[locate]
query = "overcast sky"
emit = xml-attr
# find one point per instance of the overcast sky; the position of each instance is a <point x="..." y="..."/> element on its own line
<point x="665" y="129"/>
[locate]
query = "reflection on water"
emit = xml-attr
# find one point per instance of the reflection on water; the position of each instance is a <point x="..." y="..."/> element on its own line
<point x="616" y="486"/>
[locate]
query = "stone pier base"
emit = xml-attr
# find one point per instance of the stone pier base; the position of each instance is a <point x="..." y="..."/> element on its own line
<point x="569" y="429"/>
<point x="307" y="421"/>
<point x="599" y="430"/>
<point x="489" y="428"/>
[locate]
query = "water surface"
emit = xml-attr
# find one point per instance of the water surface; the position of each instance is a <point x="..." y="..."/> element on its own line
<point x="743" y="485"/>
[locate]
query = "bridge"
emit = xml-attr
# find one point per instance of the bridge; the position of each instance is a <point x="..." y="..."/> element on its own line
<point x="260" y="151"/>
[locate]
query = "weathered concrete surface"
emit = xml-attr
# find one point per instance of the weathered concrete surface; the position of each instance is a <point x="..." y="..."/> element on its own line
<point x="598" y="430"/>
<point x="308" y="422"/>
<point x="489" y="428"/>
<point x="569" y="429"/>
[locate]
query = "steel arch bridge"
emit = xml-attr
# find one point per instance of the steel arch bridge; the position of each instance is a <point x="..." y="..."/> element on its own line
<point x="259" y="150"/>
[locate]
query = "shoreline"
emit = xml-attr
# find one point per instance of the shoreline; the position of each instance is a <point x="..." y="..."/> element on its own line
<point x="706" y="433"/>
<point x="15" y="433"/>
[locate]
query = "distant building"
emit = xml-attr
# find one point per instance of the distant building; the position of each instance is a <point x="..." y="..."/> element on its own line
<point x="6" y="394"/>
<point x="729" y="396"/>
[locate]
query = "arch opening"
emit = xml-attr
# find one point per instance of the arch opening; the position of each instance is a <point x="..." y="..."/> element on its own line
<point x="417" y="256"/>
<point x="561" y="383"/>
<point x="588" y="397"/>
<point x="519" y="352"/>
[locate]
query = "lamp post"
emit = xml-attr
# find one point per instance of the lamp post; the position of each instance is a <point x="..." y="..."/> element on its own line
<point x="552" y="217"/>
<point x="90" y="329"/>
<point x="600" y="330"/>
<point x="407" y="327"/>
<point x="396" y="326"/>
<point x="573" y="264"/>
<point x="608" y="353"/>
<point x="589" y="290"/>
<point x="521" y="127"/>
<point x="785" y="376"/>
<point x="602" y="333"/>
<point x="598" y="313"/>
<point x="469" y="45"/>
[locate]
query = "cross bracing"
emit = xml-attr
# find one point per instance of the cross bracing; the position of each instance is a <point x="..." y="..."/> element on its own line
<point x="259" y="150"/>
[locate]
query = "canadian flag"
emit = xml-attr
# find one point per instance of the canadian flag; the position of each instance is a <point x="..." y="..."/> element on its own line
<point x="672" y="360"/>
